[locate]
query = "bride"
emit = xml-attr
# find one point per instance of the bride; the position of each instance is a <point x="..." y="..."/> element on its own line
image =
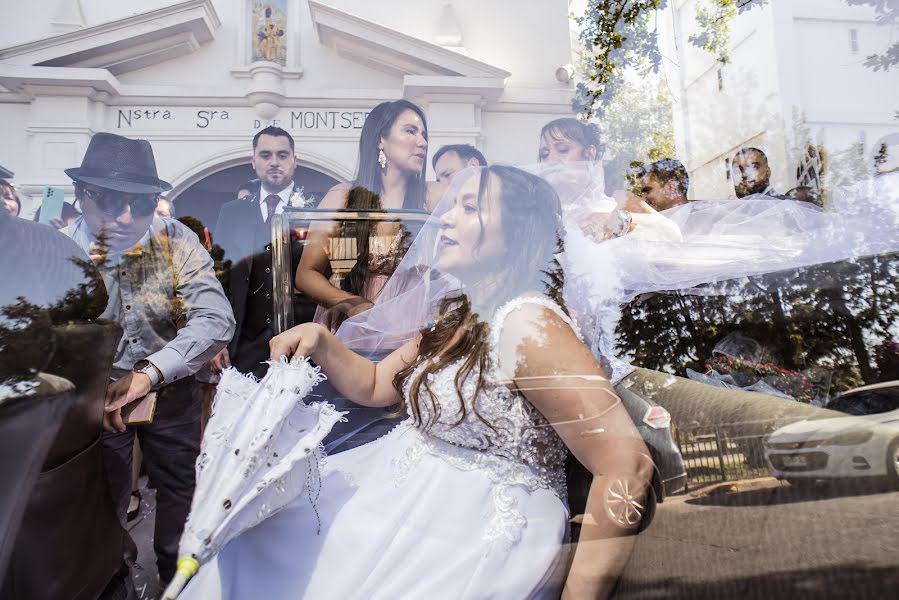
<point x="466" y="497"/>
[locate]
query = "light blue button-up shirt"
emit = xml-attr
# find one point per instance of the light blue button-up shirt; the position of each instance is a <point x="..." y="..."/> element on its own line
<point x="164" y="294"/>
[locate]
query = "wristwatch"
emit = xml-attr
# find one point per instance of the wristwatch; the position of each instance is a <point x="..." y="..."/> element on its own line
<point x="150" y="370"/>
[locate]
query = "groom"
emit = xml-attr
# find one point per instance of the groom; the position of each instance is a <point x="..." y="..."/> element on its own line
<point x="244" y="231"/>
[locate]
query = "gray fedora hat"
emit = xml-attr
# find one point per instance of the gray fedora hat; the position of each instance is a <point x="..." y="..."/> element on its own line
<point x="118" y="163"/>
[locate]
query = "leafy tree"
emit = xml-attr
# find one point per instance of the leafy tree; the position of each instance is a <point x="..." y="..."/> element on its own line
<point x="616" y="36"/>
<point x="638" y="126"/>
<point x="887" y="12"/>
<point x="824" y="316"/>
<point x="714" y="19"/>
<point x="27" y="338"/>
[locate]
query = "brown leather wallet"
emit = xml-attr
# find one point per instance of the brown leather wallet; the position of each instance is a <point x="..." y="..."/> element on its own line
<point x="140" y="412"/>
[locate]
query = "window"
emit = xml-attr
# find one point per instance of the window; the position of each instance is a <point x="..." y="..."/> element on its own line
<point x="727" y="169"/>
<point x="721" y="79"/>
<point x="853" y="41"/>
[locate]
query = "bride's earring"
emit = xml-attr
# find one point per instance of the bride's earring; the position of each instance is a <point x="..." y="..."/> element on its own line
<point x="382" y="159"/>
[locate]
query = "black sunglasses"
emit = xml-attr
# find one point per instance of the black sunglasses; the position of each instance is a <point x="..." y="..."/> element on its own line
<point x="113" y="203"/>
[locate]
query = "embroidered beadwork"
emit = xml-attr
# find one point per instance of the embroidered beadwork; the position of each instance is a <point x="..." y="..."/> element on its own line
<point x="518" y="448"/>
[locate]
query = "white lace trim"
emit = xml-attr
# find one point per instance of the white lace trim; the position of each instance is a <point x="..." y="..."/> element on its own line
<point x="512" y="305"/>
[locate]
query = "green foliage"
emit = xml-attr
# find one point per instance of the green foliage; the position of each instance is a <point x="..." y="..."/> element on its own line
<point x="883" y="62"/>
<point x="638" y="126"/>
<point x="714" y="20"/>
<point x="887" y="12"/>
<point x="616" y="36"/>
<point x="26" y="329"/>
<point x="825" y="316"/>
<point x="714" y="28"/>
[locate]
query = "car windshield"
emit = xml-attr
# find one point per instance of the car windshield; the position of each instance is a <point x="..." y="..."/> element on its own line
<point x="867" y="403"/>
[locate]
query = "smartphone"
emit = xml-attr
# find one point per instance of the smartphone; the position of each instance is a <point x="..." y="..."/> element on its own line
<point x="140" y="412"/>
<point x="51" y="204"/>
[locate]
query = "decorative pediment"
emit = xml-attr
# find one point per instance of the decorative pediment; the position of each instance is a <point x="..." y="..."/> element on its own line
<point x="124" y="45"/>
<point x="393" y="52"/>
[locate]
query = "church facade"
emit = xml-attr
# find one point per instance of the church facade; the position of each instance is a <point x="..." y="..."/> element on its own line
<point x="197" y="78"/>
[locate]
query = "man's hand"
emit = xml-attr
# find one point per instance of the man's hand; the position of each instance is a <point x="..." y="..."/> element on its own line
<point x="636" y="204"/>
<point x="220" y="361"/>
<point x="120" y="392"/>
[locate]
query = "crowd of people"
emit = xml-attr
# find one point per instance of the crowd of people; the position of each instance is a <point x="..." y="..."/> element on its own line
<point x="485" y="383"/>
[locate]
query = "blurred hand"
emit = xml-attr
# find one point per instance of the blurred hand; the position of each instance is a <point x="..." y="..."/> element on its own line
<point x="301" y="340"/>
<point x="220" y="361"/>
<point x="636" y="204"/>
<point x="120" y="392"/>
<point x="596" y="226"/>
<point x="359" y="308"/>
<point x="353" y="306"/>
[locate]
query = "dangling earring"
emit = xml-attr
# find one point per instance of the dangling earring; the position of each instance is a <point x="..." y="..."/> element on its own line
<point x="382" y="159"/>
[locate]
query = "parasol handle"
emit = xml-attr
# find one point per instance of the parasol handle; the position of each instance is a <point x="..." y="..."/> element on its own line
<point x="187" y="568"/>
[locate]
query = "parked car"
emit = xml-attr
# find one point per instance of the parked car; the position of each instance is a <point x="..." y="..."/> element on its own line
<point x="865" y="443"/>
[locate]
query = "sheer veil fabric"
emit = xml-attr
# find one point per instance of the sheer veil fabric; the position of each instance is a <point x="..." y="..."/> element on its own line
<point x="467" y="499"/>
<point x="714" y="241"/>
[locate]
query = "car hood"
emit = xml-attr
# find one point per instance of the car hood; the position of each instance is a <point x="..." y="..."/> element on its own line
<point x="823" y="428"/>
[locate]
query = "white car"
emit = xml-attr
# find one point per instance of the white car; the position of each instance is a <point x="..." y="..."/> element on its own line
<point x="865" y="443"/>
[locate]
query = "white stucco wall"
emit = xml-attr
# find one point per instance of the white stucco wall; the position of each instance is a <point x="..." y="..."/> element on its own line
<point x="789" y="58"/>
<point x="171" y="103"/>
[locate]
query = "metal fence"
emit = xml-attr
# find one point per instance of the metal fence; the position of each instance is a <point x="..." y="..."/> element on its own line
<point x="714" y="453"/>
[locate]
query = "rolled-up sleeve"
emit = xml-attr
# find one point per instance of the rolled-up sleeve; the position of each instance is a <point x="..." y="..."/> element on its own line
<point x="208" y="319"/>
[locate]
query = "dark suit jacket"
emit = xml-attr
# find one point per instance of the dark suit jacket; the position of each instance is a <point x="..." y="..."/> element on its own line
<point x="246" y="240"/>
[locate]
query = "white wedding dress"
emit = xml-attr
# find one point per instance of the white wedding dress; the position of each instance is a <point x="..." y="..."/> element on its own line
<point x="451" y="512"/>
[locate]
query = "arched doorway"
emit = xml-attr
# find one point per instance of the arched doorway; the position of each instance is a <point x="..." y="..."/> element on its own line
<point x="203" y="199"/>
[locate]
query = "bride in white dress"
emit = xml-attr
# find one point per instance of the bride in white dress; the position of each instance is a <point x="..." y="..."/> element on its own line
<point x="466" y="497"/>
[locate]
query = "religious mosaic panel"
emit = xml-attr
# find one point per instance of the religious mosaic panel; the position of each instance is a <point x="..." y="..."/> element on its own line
<point x="269" y="24"/>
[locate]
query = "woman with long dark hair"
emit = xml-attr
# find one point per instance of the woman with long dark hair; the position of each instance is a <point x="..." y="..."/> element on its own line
<point x="466" y="497"/>
<point x="393" y="151"/>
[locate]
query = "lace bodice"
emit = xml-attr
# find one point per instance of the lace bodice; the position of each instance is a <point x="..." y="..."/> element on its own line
<point x="515" y="441"/>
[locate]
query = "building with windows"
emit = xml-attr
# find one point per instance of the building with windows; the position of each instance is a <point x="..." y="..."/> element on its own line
<point x="795" y="85"/>
<point x="197" y="78"/>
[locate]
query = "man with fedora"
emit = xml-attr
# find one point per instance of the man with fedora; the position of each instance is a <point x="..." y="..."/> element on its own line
<point x="164" y="294"/>
<point x="244" y="231"/>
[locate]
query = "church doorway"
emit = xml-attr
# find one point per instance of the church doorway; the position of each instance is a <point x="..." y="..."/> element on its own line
<point x="204" y="199"/>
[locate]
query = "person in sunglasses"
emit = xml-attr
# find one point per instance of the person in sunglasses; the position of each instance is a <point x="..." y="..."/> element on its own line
<point x="164" y="294"/>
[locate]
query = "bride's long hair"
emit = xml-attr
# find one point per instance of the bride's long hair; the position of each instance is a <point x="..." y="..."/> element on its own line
<point x="530" y="216"/>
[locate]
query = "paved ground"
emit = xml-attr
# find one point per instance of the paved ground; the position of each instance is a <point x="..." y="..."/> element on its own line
<point x="770" y="540"/>
<point x="146" y="581"/>
<point x="754" y="539"/>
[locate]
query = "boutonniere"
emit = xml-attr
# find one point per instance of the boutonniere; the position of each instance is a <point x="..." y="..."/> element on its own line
<point x="299" y="200"/>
